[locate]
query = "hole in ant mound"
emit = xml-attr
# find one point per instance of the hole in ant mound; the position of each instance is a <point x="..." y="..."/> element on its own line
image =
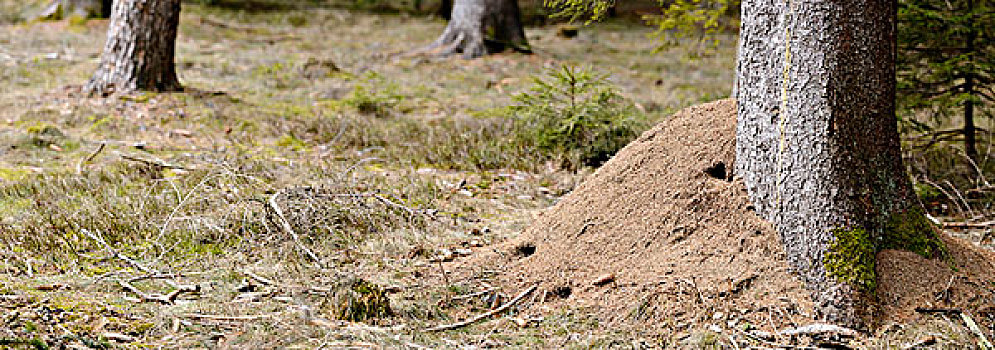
<point x="525" y="250"/>
<point x="562" y="292"/>
<point x="717" y="171"/>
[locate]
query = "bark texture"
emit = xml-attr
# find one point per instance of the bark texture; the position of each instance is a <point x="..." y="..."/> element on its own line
<point x="479" y="27"/>
<point x="817" y="141"/>
<point x="141" y="44"/>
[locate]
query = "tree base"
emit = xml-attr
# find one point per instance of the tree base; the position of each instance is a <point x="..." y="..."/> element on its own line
<point x="481" y="27"/>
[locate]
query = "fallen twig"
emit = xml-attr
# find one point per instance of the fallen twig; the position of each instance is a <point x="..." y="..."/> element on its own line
<point x="167" y="299"/>
<point x="969" y="225"/>
<point x="285" y="225"/>
<point x="983" y="342"/>
<point x="482" y="316"/>
<point x="79" y="166"/>
<point x="473" y="295"/>
<point x="153" y="162"/>
<point x="260" y="279"/>
<point x="819" y="328"/>
<point x="228" y="318"/>
<point x="100" y="240"/>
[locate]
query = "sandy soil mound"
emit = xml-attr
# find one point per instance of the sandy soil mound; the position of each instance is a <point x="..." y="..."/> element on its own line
<point x="661" y="237"/>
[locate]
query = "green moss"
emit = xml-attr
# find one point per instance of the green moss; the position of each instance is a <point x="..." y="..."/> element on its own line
<point x="912" y="231"/>
<point x="850" y="258"/>
<point x="852" y="255"/>
<point x="292" y="142"/>
<point x="360" y="301"/>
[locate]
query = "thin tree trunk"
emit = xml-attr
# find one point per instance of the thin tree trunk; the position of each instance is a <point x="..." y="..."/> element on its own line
<point x="479" y="27"/>
<point x="141" y="44"/>
<point x="970" y="142"/>
<point x="818" y="146"/>
<point x="445" y="9"/>
<point x="970" y="132"/>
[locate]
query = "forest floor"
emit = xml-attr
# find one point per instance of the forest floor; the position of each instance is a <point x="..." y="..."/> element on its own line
<point x="193" y="219"/>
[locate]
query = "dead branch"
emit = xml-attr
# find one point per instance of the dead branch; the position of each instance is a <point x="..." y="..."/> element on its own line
<point x="485" y="315"/>
<point x="819" y="328"/>
<point x="167" y="299"/>
<point x="260" y="279"/>
<point x="473" y="295"/>
<point x="153" y="162"/>
<point x="228" y="318"/>
<point x="100" y="240"/>
<point x="945" y="193"/>
<point x="966" y="204"/>
<point x="969" y="225"/>
<point x="285" y="225"/>
<point x="79" y="166"/>
<point x="983" y="342"/>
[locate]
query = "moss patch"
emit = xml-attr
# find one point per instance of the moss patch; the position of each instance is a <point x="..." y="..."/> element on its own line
<point x="912" y="231"/>
<point x="360" y="301"/>
<point x="851" y="257"/>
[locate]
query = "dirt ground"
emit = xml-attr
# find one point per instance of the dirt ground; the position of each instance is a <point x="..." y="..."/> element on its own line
<point x="662" y="239"/>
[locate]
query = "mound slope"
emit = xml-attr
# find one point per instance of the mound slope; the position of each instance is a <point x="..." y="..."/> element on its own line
<point x="665" y="222"/>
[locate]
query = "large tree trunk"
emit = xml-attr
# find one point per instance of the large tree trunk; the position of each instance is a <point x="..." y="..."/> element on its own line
<point x="818" y="146"/>
<point x="479" y="27"/>
<point x="141" y="43"/>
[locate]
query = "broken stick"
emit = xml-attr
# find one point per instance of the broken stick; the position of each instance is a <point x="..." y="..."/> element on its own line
<point x="482" y="316"/>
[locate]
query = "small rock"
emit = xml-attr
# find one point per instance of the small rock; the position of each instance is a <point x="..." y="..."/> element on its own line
<point x="462" y="252"/>
<point x="718" y="316"/>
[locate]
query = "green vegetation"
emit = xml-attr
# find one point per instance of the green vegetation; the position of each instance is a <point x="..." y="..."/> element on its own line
<point x="576" y="116"/>
<point x="850" y="258"/>
<point x="946" y="67"/>
<point x="361" y="301"/>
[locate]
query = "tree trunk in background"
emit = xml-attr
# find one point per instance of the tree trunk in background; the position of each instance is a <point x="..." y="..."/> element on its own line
<point x="818" y="145"/>
<point x="141" y="43"/>
<point x="970" y="139"/>
<point x="445" y="9"/>
<point x="479" y="27"/>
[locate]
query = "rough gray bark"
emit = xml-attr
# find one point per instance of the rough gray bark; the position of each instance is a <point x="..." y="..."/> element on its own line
<point x="479" y="27"/>
<point x="817" y="140"/>
<point x="141" y="44"/>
